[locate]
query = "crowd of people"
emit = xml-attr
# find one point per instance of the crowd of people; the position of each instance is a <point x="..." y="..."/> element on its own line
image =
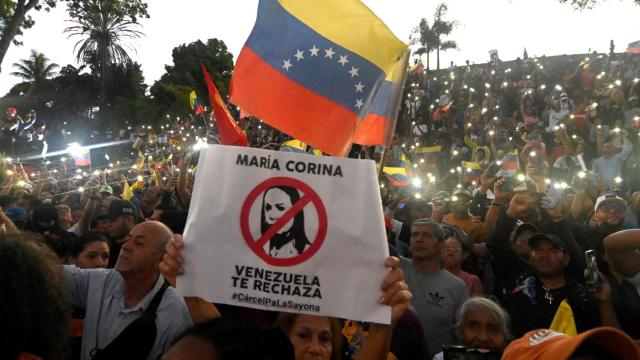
<point x="511" y="198"/>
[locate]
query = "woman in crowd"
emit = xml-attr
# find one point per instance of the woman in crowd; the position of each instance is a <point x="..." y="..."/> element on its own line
<point x="483" y="325"/>
<point x="90" y="251"/>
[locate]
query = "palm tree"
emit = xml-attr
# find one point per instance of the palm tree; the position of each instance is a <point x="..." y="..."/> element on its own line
<point x="442" y="28"/>
<point x="103" y="33"/>
<point x="36" y="70"/>
<point x="424" y="36"/>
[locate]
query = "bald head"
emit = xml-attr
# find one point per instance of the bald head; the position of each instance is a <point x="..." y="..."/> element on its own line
<point x="157" y="231"/>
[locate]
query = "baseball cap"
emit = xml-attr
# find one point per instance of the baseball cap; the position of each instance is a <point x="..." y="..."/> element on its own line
<point x="119" y="208"/>
<point x="462" y="192"/>
<point x="537" y="237"/>
<point x="17" y="214"/>
<point x="609" y="197"/>
<point x="106" y="189"/>
<point x="548" y="344"/>
<point x="45" y="217"/>
<point x="521" y="227"/>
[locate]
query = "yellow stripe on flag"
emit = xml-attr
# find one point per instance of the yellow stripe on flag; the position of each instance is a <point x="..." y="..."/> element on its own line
<point x="394" y="170"/>
<point x="429" y="149"/>
<point x="364" y="33"/>
<point x="471" y="165"/>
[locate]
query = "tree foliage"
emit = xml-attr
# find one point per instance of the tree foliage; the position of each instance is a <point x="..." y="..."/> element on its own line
<point x="185" y="74"/>
<point x="36" y="70"/>
<point x="15" y="18"/>
<point x="433" y="38"/>
<point x="586" y="4"/>
<point x="104" y="28"/>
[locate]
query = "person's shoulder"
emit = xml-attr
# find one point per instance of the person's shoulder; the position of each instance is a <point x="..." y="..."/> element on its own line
<point x="453" y="281"/>
<point x="172" y="300"/>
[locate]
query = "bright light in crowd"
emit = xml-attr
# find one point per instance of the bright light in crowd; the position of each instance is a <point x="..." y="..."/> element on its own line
<point x="416" y="182"/>
<point x="139" y="178"/>
<point x="618" y="82"/>
<point x="418" y="196"/>
<point x="106" y="156"/>
<point x="75" y="149"/>
<point x="582" y="174"/>
<point x="9" y="160"/>
<point x="96" y="173"/>
<point x="80" y="189"/>
<point x="558" y="87"/>
<point x="547" y="181"/>
<point x="521" y="177"/>
<point x="617" y="180"/>
<point x="532" y="154"/>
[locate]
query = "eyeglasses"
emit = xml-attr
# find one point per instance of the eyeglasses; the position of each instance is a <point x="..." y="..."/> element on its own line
<point x="452" y="251"/>
<point x="616" y="208"/>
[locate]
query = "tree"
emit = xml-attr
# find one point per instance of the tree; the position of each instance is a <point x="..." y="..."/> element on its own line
<point x="36" y="70"/>
<point x="586" y="4"/>
<point x="14" y="19"/>
<point x="104" y="27"/>
<point x="185" y="75"/>
<point x="442" y="28"/>
<point x="425" y="37"/>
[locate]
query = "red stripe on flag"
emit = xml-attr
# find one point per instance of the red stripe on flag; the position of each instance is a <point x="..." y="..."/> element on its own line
<point x="370" y="131"/>
<point x="302" y="114"/>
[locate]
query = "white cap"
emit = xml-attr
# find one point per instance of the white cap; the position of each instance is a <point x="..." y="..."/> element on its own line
<point x="609" y="197"/>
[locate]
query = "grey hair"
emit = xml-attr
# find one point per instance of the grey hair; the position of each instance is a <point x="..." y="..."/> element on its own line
<point x="496" y="312"/>
<point x="438" y="231"/>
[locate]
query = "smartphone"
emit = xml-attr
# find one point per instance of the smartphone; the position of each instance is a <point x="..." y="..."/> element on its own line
<point x="463" y="353"/>
<point x="592" y="268"/>
<point x="509" y="184"/>
<point x="493" y="170"/>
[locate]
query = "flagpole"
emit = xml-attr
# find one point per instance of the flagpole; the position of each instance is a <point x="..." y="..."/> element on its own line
<point x="394" y="116"/>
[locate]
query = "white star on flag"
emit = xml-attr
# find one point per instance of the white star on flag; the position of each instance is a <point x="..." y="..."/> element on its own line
<point x="329" y="53"/>
<point x="314" y="51"/>
<point x="359" y="86"/>
<point x="299" y="55"/>
<point x="359" y="103"/>
<point x="354" y="71"/>
<point x="286" y="64"/>
<point x="343" y="60"/>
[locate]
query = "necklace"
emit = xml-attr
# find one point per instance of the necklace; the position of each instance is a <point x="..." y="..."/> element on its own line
<point x="547" y="295"/>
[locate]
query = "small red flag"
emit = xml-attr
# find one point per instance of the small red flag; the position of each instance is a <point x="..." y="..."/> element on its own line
<point x="229" y="131"/>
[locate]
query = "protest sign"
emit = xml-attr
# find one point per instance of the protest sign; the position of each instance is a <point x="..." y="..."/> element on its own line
<point x="286" y="232"/>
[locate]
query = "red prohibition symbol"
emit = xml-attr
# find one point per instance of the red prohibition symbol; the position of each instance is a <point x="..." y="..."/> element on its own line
<point x="308" y="196"/>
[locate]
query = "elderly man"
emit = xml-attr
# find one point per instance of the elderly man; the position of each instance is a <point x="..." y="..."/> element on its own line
<point x="119" y="303"/>
<point x="437" y="294"/>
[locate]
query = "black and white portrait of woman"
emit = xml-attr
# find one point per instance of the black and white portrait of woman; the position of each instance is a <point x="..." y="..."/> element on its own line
<point x="290" y="240"/>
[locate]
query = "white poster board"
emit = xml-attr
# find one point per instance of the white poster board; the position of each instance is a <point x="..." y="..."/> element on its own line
<point x="286" y="232"/>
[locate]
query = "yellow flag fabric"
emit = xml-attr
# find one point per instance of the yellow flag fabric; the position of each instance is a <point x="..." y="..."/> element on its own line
<point x="563" y="321"/>
<point x="394" y="170"/>
<point x="429" y="149"/>
<point x="127" y="194"/>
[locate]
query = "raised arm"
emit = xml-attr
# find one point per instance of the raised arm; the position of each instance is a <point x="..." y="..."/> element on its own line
<point x="396" y="294"/>
<point x="623" y="250"/>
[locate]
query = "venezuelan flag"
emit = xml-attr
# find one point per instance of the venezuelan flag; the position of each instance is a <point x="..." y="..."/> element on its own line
<point x="390" y="170"/>
<point x="195" y="103"/>
<point x="139" y="161"/>
<point x="509" y="164"/>
<point x="398" y="180"/>
<point x="472" y="169"/>
<point x="295" y="146"/>
<point x="82" y="157"/>
<point x="326" y="72"/>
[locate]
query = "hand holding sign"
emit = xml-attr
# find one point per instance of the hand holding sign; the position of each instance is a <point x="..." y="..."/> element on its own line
<point x="395" y="292"/>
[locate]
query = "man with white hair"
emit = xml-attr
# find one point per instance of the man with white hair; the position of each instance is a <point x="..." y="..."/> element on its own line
<point x="130" y="311"/>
